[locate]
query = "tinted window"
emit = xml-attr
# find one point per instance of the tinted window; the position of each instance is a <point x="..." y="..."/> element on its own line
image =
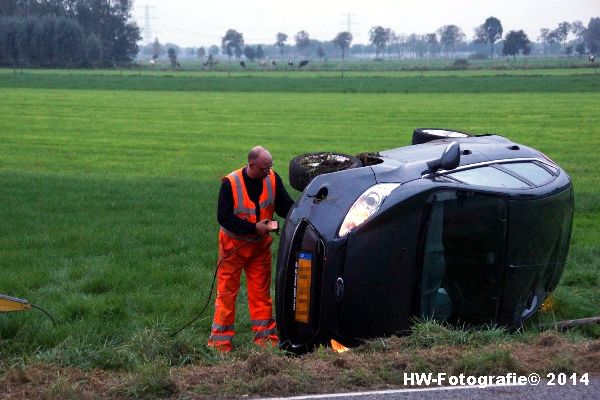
<point x="530" y="171"/>
<point x="489" y="176"/>
<point x="462" y="257"/>
<point x="540" y="230"/>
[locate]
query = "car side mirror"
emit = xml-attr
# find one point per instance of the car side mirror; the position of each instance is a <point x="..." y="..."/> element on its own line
<point x="450" y="159"/>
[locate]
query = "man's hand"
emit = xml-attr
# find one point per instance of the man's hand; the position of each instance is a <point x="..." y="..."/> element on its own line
<point x="262" y="227"/>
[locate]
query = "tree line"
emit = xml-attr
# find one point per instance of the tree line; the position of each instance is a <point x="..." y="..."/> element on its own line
<point x="489" y="40"/>
<point x="67" y="33"/>
<point x="80" y="33"/>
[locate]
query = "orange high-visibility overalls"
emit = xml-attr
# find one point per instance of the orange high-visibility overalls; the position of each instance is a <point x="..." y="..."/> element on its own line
<point x="252" y="254"/>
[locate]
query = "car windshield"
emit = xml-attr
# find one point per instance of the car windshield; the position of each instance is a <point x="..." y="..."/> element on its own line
<point x="534" y="173"/>
<point x="489" y="176"/>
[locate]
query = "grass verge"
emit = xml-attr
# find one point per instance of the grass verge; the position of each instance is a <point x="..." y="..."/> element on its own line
<point x="378" y="364"/>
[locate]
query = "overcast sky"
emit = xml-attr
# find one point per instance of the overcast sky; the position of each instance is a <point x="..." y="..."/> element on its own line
<point x="196" y="23"/>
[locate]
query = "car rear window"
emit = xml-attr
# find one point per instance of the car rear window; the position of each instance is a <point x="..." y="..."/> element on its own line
<point x="489" y="176"/>
<point x="532" y="172"/>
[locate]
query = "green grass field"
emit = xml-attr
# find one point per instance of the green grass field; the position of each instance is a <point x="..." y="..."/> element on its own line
<point x="390" y="63"/>
<point x="471" y="81"/>
<point x="109" y="187"/>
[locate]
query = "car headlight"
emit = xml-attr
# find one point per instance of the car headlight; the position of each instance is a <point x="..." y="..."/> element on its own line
<point x="366" y="205"/>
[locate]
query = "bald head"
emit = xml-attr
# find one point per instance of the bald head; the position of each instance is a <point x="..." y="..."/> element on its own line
<point x="259" y="162"/>
<point x="258" y="152"/>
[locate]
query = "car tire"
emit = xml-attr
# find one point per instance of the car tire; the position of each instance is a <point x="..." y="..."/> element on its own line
<point x="305" y="167"/>
<point x="424" y="135"/>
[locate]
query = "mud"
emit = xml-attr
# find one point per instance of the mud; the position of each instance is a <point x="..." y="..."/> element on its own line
<point x="324" y="163"/>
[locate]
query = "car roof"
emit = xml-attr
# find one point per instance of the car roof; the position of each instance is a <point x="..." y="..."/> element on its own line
<point x="481" y="148"/>
<point x="410" y="162"/>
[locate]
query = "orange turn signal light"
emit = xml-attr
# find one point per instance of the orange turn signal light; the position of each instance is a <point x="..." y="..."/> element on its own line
<point x="338" y="347"/>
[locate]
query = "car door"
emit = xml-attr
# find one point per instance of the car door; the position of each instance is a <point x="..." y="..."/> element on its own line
<point x="462" y="256"/>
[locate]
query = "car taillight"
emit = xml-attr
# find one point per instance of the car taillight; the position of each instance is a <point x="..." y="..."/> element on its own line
<point x="302" y="286"/>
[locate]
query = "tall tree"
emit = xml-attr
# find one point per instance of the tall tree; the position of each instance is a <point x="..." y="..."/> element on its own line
<point x="394" y="42"/>
<point x="450" y="36"/>
<point x="250" y="53"/>
<point x="320" y="52"/>
<point x="156" y="49"/>
<point x="568" y="50"/>
<point x="515" y="42"/>
<point x="232" y="43"/>
<point x="592" y="37"/>
<point x="9" y="33"/>
<point x="489" y="32"/>
<point x="172" y="54"/>
<point x="45" y="45"/>
<point x="343" y="40"/>
<point x="280" y="40"/>
<point x="412" y="42"/>
<point x="433" y="45"/>
<point x="379" y="37"/>
<point x="26" y="40"/>
<point x="93" y="50"/>
<point x="213" y="50"/>
<point x="302" y="41"/>
<point x="578" y="30"/>
<point x="69" y="38"/>
<point x="260" y="52"/>
<point x="421" y="46"/>
<point x="544" y="38"/>
<point x="109" y="20"/>
<point x="580" y="49"/>
<point x="201" y="52"/>
<point x="561" y="32"/>
<point x="401" y="41"/>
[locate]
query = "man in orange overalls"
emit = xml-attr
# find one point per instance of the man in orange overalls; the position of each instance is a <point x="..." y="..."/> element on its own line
<point x="247" y="200"/>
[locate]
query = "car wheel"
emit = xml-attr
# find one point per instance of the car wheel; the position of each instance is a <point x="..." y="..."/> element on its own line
<point x="424" y="135"/>
<point x="305" y="167"/>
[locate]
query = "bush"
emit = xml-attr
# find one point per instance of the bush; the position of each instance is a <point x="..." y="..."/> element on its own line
<point x="477" y="56"/>
<point x="461" y="63"/>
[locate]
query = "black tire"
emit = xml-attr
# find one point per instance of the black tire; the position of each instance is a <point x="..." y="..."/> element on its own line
<point x="424" y="135"/>
<point x="300" y="173"/>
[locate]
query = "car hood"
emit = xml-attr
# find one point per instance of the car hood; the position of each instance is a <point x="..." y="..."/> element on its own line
<point x="340" y="189"/>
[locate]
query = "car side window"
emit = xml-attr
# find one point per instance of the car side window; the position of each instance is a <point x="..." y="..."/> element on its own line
<point x="489" y="176"/>
<point x="461" y="254"/>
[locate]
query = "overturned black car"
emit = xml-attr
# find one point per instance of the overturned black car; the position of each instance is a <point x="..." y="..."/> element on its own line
<point x="457" y="228"/>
